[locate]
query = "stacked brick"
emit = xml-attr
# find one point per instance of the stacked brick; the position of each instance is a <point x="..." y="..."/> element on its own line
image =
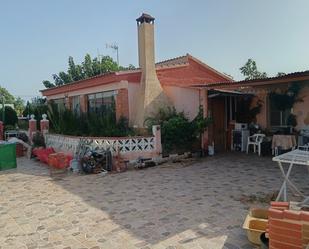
<point x="287" y="229"/>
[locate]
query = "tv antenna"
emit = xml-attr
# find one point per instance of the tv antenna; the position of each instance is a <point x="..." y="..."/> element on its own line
<point x="115" y="48"/>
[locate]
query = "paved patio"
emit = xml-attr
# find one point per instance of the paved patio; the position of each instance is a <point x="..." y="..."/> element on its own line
<point x="182" y="205"/>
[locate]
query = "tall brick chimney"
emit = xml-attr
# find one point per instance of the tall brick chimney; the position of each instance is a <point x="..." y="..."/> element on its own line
<point x="151" y="96"/>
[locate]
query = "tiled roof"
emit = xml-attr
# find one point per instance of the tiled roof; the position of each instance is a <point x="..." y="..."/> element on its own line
<point x="167" y="71"/>
<point x="283" y="78"/>
<point x="173" y="62"/>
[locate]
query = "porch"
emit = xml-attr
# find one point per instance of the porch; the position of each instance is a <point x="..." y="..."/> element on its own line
<point x="276" y="105"/>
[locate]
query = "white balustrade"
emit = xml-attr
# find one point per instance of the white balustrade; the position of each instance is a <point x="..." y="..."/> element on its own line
<point x="121" y="145"/>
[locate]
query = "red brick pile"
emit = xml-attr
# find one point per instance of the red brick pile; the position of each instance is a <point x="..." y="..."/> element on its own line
<point x="287" y="229"/>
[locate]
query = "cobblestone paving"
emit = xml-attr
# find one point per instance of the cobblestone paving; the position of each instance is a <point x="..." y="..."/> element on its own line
<point x="170" y="206"/>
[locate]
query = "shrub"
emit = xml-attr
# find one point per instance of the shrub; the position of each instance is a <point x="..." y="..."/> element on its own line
<point x="178" y="133"/>
<point x="10" y="116"/>
<point x="87" y="124"/>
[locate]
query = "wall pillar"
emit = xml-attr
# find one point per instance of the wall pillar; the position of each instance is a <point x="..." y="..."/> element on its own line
<point x="156" y="130"/>
<point x="44" y="124"/>
<point x="67" y="102"/>
<point x="83" y="103"/>
<point x="122" y="104"/>
<point x="262" y="117"/>
<point x="1" y="131"/>
<point x="32" y="127"/>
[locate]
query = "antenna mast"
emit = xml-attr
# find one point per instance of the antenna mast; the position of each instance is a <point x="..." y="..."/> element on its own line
<point x="115" y="48"/>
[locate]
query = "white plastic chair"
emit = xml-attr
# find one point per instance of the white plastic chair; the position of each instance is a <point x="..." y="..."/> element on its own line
<point x="255" y="140"/>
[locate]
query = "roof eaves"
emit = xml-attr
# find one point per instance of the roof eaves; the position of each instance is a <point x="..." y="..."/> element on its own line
<point x="291" y="76"/>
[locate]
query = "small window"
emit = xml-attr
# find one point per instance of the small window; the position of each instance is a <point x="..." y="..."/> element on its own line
<point x="60" y="104"/>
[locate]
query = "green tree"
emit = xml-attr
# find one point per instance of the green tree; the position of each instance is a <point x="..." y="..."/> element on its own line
<point x="250" y="71"/>
<point x="130" y="67"/>
<point x="10" y="116"/>
<point x="48" y="84"/>
<point x="108" y="65"/>
<point x="65" y="77"/>
<point x="8" y="98"/>
<point x="280" y="74"/>
<point x="58" y="80"/>
<point x="75" y="71"/>
<point x="88" y="68"/>
<point x="19" y="105"/>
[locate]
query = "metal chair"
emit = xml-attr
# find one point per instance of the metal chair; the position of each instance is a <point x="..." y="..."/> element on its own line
<point x="255" y="140"/>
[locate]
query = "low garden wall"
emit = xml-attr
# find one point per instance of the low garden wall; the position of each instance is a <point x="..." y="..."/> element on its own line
<point x="129" y="148"/>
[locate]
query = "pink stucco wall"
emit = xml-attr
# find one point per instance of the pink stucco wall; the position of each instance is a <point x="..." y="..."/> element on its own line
<point x="184" y="99"/>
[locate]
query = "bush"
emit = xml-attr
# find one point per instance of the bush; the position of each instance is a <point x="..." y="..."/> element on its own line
<point x="87" y="124"/>
<point x="10" y="116"/>
<point x="178" y="133"/>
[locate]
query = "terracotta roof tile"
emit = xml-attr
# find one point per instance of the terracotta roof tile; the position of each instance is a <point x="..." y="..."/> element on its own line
<point x="174" y="61"/>
<point x="286" y="77"/>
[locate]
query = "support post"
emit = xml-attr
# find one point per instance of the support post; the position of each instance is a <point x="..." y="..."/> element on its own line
<point x="44" y="124"/>
<point x="32" y="126"/>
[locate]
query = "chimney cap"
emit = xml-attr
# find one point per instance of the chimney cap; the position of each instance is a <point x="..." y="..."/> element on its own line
<point x="145" y="18"/>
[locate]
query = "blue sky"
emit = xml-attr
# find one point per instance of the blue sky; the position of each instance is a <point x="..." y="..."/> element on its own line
<point x="36" y="37"/>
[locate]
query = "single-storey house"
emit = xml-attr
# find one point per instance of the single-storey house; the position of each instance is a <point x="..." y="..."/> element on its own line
<point x="185" y="83"/>
<point x="139" y="93"/>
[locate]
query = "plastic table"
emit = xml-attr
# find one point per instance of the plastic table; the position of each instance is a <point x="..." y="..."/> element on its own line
<point x="294" y="157"/>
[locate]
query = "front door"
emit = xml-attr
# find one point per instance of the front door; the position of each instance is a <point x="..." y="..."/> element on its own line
<point x="218" y="126"/>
